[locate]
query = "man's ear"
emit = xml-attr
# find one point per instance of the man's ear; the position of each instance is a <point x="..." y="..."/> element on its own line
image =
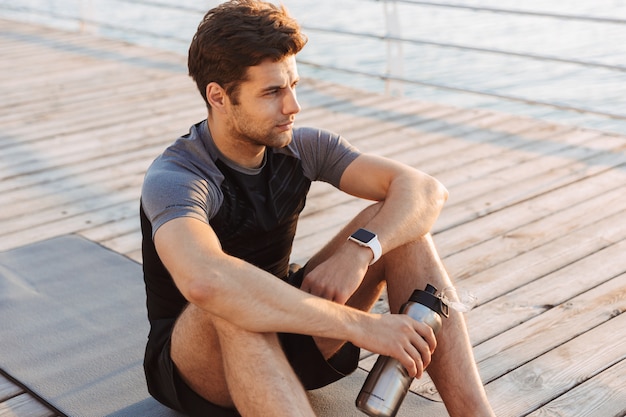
<point x="216" y="96"/>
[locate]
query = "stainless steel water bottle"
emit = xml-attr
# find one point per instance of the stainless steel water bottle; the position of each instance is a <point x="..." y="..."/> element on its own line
<point x="388" y="382"/>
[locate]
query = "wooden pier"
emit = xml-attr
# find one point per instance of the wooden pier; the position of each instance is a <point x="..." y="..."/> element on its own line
<point x="535" y="226"/>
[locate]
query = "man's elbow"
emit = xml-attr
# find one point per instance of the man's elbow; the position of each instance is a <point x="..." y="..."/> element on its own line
<point x="435" y="192"/>
<point x="200" y="292"/>
<point x="440" y="193"/>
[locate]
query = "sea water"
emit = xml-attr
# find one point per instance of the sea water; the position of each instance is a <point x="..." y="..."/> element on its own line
<point x="170" y="24"/>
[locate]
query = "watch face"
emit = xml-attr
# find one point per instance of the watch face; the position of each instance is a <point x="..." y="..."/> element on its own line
<point x="363" y="235"/>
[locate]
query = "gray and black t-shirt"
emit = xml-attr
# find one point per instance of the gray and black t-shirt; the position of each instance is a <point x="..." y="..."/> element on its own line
<point x="254" y="212"/>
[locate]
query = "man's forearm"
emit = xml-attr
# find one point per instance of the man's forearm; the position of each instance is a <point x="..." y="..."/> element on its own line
<point x="409" y="211"/>
<point x="241" y="293"/>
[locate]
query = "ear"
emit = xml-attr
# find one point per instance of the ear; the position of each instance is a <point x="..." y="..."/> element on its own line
<point x="216" y="96"/>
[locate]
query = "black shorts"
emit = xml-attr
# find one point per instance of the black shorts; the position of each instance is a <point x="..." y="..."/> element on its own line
<point x="166" y="385"/>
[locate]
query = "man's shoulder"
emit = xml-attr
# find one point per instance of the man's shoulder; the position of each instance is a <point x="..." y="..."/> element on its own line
<point x="189" y="152"/>
<point x="307" y="139"/>
<point x="311" y="139"/>
<point x="311" y="133"/>
<point x="185" y="166"/>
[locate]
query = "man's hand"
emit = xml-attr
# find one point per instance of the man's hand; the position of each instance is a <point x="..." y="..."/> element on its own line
<point x="401" y="337"/>
<point x="337" y="278"/>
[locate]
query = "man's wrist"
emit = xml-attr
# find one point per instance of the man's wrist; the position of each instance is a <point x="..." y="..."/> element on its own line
<point x="368" y="239"/>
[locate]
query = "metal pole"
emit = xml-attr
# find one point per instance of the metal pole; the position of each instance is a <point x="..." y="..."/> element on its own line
<point x="86" y="17"/>
<point x="395" y="55"/>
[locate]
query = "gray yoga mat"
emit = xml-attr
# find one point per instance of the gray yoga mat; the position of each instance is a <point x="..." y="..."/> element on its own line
<point x="73" y="328"/>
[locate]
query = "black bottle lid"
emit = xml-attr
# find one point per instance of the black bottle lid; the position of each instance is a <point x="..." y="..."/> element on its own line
<point x="429" y="299"/>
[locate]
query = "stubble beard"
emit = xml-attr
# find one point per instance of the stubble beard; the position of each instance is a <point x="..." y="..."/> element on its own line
<point x="247" y="134"/>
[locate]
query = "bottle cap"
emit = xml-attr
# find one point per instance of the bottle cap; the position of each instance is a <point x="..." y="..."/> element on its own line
<point x="428" y="298"/>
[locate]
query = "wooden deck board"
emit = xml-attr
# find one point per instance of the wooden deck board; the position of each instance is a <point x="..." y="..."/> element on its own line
<point x="15" y="402"/>
<point x="602" y="395"/>
<point x="553" y="374"/>
<point x="534" y="225"/>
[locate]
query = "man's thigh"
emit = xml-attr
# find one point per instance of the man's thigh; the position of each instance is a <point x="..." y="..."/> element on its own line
<point x="165" y="381"/>
<point x="196" y="352"/>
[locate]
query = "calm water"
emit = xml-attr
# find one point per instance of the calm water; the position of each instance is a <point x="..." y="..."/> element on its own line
<point x="597" y="89"/>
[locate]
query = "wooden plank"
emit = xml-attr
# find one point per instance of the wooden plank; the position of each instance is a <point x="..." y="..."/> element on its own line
<point x="103" y="180"/>
<point x="526" y="237"/>
<point x="112" y="230"/>
<point x="542" y="260"/>
<point x="523" y="164"/>
<point x="461" y="159"/>
<point x="102" y="212"/>
<point x="125" y="243"/>
<point x="75" y="81"/>
<point x="603" y="395"/>
<point x="24" y="405"/>
<point x="15" y="402"/>
<point x="545" y="260"/>
<point x="72" y="174"/>
<point x="8" y="389"/>
<point x="358" y="126"/>
<point x="115" y="113"/>
<point x="541" y="380"/>
<point x="116" y="127"/>
<point x="551" y="325"/>
<point x="504" y="196"/>
<point x="412" y="131"/>
<point x="46" y="217"/>
<point x="503" y="221"/>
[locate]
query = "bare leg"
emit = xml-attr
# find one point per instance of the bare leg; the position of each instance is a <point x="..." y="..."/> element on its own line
<point x="453" y="368"/>
<point x="232" y="367"/>
<point x="405" y="269"/>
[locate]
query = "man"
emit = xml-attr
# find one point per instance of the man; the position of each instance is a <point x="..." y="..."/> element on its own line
<point x="232" y="329"/>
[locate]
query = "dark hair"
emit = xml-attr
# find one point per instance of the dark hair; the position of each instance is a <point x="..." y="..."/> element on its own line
<point x="236" y="35"/>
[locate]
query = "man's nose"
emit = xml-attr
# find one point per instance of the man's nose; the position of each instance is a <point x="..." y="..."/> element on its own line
<point x="291" y="105"/>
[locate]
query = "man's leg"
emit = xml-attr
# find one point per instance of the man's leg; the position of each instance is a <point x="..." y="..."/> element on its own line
<point x="452" y="369"/>
<point x="230" y="367"/>
<point x="404" y="270"/>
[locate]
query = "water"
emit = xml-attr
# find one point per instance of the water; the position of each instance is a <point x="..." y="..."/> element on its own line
<point x="597" y="89"/>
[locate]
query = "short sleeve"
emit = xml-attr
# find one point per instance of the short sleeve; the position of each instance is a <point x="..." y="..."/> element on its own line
<point x="170" y="192"/>
<point x="325" y="155"/>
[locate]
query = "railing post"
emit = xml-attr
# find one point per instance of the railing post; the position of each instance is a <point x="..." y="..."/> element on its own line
<point x="86" y="17"/>
<point x="395" y="56"/>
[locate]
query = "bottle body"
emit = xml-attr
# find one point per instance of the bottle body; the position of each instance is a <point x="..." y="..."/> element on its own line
<point x="384" y="389"/>
<point x="388" y="382"/>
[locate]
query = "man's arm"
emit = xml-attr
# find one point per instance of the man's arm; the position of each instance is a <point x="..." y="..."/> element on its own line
<point x="410" y="204"/>
<point x="412" y="200"/>
<point x="255" y="300"/>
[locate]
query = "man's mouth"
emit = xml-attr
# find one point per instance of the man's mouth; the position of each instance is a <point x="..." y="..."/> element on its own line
<point x="286" y="125"/>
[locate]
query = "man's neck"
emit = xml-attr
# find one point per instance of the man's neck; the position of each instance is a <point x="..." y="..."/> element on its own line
<point x="238" y="151"/>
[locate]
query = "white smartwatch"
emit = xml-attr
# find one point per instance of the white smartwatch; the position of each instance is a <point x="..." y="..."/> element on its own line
<point x="368" y="239"/>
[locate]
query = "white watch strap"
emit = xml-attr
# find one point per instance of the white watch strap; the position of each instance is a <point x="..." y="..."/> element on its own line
<point x="374" y="245"/>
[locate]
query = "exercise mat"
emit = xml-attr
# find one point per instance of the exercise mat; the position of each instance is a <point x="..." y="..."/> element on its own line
<point x="73" y="327"/>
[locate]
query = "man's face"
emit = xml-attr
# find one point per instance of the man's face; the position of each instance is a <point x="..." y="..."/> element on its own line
<point x="267" y="104"/>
